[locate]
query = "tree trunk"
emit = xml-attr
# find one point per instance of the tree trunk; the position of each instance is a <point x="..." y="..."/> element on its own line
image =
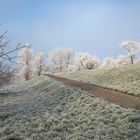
<point x="132" y="59"/>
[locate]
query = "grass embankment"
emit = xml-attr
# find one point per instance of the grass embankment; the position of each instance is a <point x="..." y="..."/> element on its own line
<point x="125" y="79"/>
<point x="42" y="109"/>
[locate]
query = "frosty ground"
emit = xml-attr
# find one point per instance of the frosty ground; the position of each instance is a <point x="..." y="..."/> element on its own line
<point x="125" y="78"/>
<point x="43" y="109"/>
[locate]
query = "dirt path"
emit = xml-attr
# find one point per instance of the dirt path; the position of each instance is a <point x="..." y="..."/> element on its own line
<point x="124" y="100"/>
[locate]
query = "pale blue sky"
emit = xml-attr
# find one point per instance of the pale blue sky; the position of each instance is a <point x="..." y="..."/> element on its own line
<point x="94" y="26"/>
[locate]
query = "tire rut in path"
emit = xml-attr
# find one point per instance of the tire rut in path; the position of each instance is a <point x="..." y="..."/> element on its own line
<point x="122" y="99"/>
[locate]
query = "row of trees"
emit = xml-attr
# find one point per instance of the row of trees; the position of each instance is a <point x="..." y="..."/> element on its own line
<point x="29" y="64"/>
<point x="131" y="55"/>
<point x="64" y="59"/>
<point x="59" y="59"/>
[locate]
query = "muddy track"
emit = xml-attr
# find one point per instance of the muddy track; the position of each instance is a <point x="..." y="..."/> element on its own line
<point x="124" y="100"/>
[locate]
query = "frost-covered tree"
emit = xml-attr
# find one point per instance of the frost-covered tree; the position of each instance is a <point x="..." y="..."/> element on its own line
<point x="109" y="62"/>
<point x="60" y="58"/>
<point x="122" y="60"/>
<point x="39" y="63"/>
<point x="25" y="59"/>
<point x="86" y="61"/>
<point x="6" y="73"/>
<point x="132" y="49"/>
<point x="7" y="59"/>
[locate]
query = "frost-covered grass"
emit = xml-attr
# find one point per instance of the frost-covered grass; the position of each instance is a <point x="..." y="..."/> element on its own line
<point x="42" y="109"/>
<point x="126" y="79"/>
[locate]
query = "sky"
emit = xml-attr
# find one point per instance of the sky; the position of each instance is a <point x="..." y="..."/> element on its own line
<point x="94" y="26"/>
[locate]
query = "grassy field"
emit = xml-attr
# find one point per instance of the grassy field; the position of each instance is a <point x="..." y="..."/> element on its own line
<point x="42" y="109"/>
<point x="126" y="79"/>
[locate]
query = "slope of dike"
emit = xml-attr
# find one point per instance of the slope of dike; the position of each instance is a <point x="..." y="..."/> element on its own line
<point x="45" y="109"/>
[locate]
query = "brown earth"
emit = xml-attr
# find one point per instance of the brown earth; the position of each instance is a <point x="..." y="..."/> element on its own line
<point x="122" y="99"/>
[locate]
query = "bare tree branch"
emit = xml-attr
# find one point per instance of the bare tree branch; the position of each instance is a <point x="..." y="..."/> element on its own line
<point x="6" y="72"/>
<point x="9" y="52"/>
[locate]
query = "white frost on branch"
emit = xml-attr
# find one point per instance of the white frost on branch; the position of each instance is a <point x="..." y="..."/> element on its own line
<point x="39" y="63"/>
<point x="25" y="59"/>
<point x="108" y="62"/>
<point x="122" y="60"/>
<point x="60" y="58"/>
<point x="133" y="48"/>
<point x="86" y="61"/>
